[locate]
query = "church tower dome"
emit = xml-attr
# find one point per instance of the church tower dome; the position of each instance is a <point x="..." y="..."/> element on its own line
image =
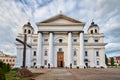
<point x="28" y="29"/>
<point x="93" y="28"/>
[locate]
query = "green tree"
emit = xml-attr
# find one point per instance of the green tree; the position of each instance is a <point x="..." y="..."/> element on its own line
<point x="8" y="67"/>
<point x="106" y="60"/>
<point x="5" y="67"/>
<point x="112" y="61"/>
<point x="2" y="75"/>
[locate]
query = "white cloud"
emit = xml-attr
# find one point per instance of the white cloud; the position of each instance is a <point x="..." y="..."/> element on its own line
<point x="14" y="14"/>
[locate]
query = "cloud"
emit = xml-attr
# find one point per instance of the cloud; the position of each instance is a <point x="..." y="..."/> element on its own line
<point x="15" y="13"/>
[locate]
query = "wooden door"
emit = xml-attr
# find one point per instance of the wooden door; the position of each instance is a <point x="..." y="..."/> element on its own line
<point x="60" y="59"/>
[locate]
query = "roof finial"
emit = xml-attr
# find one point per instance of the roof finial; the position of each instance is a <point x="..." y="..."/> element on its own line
<point x="92" y="21"/>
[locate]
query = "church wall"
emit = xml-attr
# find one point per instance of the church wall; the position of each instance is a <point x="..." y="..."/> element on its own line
<point x="60" y="29"/>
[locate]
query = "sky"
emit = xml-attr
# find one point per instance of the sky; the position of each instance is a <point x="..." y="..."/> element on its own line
<point x="15" y="13"/>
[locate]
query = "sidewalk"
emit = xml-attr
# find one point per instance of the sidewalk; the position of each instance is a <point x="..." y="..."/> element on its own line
<point x="55" y="74"/>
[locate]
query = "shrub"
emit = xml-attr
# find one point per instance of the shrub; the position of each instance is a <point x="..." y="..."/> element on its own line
<point x="16" y="69"/>
<point x="2" y="75"/>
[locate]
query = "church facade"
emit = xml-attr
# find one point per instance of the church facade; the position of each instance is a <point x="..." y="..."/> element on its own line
<point x="61" y="42"/>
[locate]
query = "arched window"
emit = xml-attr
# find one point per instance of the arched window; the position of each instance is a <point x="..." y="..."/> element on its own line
<point x="98" y="62"/>
<point x="75" y="62"/>
<point x="97" y="53"/>
<point x="86" y="53"/>
<point x="25" y="31"/>
<point x="34" y="53"/>
<point x="95" y="30"/>
<point x="91" y="31"/>
<point x="29" y="31"/>
<point x="34" y="63"/>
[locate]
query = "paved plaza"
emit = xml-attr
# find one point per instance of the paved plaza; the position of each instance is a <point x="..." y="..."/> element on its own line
<point x="78" y="74"/>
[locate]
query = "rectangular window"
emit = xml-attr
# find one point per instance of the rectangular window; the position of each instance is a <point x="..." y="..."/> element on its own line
<point x="46" y="53"/>
<point x="97" y="53"/>
<point x="96" y="40"/>
<point x="85" y="40"/>
<point x="75" y="53"/>
<point x="45" y="62"/>
<point x="86" y="53"/>
<point x="74" y="40"/>
<point x="75" y="62"/>
<point x="60" y="49"/>
<point x="34" y="53"/>
<point x="98" y="63"/>
<point x="45" y="40"/>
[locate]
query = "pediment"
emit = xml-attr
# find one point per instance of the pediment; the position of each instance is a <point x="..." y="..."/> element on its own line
<point x="61" y="19"/>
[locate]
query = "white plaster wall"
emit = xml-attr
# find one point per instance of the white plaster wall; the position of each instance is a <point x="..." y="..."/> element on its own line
<point x="60" y="28"/>
<point x="61" y="21"/>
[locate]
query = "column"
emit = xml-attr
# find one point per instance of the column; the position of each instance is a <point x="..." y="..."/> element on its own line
<point x="39" y="50"/>
<point x="81" y="50"/>
<point x="51" y="49"/>
<point x="69" y="49"/>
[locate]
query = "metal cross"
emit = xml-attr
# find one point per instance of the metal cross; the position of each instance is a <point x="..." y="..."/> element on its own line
<point x="24" y="49"/>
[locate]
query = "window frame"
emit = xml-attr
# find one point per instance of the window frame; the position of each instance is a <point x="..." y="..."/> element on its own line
<point x="98" y="62"/>
<point x="96" y="40"/>
<point x="34" y="53"/>
<point x="45" y="62"/>
<point x="75" y="62"/>
<point x="74" y="53"/>
<point x="85" y="40"/>
<point x="29" y="31"/>
<point x="86" y="53"/>
<point x="60" y="49"/>
<point x="46" y="53"/>
<point x="97" y="53"/>
<point x="74" y="40"/>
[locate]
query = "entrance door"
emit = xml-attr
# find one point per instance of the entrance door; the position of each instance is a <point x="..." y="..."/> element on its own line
<point x="60" y="59"/>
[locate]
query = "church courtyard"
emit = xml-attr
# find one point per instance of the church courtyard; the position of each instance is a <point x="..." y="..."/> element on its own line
<point x="78" y="74"/>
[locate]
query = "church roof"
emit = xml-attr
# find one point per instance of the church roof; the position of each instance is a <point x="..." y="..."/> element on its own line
<point x="61" y="16"/>
<point x="28" y="25"/>
<point x="93" y="25"/>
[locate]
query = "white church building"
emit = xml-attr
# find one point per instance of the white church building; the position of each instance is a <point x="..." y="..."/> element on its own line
<point x="61" y="42"/>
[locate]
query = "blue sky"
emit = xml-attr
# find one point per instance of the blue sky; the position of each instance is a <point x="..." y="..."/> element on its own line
<point x="15" y="13"/>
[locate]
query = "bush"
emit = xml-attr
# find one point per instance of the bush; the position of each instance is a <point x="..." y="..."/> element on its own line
<point x="2" y="75"/>
<point x="5" y="67"/>
<point x="16" y="69"/>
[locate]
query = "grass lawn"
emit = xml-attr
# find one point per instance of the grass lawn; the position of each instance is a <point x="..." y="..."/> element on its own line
<point x="10" y="76"/>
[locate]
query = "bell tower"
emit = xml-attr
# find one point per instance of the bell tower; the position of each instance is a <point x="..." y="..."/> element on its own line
<point x="93" y="29"/>
<point x="28" y="29"/>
